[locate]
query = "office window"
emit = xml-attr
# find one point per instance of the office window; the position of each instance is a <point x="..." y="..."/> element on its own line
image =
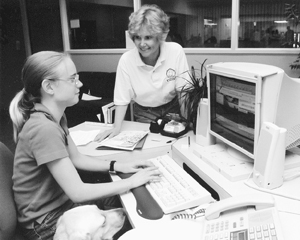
<point x="101" y="24"/>
<point x="198" y="23"/>
<point x="98" y="24"/>
<point x="263" y="24"/>
<point x="44" y="25"/>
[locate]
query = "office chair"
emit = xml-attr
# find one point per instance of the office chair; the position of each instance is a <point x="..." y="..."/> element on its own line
<point x="8" y="212"/>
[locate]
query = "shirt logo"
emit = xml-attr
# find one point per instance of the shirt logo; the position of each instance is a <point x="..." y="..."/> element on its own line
<point x="171" y="75"/>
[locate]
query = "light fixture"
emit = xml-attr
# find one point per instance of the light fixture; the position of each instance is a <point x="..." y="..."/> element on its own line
<point x="280" y="21"/>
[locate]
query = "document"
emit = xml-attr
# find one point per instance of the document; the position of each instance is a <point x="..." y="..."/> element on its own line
<point x="83" y="137"/>
<point x="88" y="97"/>
<point x="126" y="140"/>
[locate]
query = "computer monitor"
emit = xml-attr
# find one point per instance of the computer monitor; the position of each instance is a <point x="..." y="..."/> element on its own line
<point x="241" y="96"/>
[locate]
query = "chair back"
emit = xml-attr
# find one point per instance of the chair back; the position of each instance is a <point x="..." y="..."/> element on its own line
<point x="8" y="213"/>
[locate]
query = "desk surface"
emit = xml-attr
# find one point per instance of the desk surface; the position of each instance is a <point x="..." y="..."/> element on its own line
<point x="288" y="209"/>
<point x="155" y="145"/>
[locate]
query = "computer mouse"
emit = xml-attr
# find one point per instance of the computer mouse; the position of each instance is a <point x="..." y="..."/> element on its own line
<point x="146" y="206"/>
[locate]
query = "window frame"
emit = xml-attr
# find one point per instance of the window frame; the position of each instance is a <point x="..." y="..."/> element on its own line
<point x="137" y="4"/>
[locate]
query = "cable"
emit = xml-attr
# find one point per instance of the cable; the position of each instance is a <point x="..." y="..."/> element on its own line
<point x="192" y="216"/>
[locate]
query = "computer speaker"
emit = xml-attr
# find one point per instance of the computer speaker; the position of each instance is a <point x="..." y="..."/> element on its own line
<point x="203" y="137"/>
<point x="269" y="157"/>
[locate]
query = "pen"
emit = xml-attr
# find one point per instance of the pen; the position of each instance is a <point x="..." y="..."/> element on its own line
<point x="189" y="141"/>
<point x="175" y="139"/>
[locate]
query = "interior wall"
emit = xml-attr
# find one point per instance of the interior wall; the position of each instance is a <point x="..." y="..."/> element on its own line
<point x="108" y="62"/>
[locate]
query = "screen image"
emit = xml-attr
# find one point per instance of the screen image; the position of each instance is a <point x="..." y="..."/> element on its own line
<point x="233" y="110"/>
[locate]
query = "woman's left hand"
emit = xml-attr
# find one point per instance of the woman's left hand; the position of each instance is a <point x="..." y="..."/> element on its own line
<point x="132" y="166"/>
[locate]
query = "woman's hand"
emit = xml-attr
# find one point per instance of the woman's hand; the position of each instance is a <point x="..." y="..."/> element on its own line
<point x="145" y="171"/>
<point x="107" y="133"/>
<point x="144" y="176"/>
<point x="132" y="166"/>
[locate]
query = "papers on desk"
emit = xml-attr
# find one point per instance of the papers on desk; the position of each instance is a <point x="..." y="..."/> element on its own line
<point x="88" y="97"/>
<point x="83" y="137"/>
<point x="125" y="140"/>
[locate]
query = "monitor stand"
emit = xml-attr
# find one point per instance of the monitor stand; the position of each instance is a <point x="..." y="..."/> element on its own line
<point x="230" y="163"/>
<point x="236" y="166"/>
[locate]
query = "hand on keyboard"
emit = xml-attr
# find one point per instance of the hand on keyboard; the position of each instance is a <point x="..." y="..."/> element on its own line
<point x="132" y="166"/>
<point x="144" y="176"/>
<point x="176" y="190"/>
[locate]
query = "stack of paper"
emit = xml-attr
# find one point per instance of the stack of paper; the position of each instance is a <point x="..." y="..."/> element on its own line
<point x="126" y="140"/>
<point x="109" y="112"/>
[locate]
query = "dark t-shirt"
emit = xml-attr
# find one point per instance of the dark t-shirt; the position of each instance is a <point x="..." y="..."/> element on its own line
<point x="41" y="140"/>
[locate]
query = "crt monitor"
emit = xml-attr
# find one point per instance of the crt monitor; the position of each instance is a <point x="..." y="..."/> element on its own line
<point x="241" y="96"/>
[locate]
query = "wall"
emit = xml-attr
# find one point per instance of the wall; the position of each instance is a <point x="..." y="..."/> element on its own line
<point x="108" y="62"/>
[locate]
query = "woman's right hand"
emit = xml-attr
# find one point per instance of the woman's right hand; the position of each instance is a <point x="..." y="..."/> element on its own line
<point x="144" y="176"/>
<point x="107" y="133"/>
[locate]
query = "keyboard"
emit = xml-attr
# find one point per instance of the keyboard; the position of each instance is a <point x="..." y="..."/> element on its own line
<point x="176" y="190"/>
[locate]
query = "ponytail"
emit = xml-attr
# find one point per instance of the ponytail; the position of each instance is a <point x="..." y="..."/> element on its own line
<point x="20" y="109"/>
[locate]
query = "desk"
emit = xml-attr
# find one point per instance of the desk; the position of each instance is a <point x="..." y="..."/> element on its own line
<point x="154" y="145"/>
<point x="289" y="210"/>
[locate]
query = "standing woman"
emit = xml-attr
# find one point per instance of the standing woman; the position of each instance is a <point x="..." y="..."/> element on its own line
<point x="45" y="180"/>
<point x="152" y="74"/>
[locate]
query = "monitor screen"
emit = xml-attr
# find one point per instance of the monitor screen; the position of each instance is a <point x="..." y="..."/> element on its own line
<point x="232" y="110"/>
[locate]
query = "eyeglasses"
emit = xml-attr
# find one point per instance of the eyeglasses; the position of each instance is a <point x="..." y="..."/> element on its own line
<point x="72" y="80"/>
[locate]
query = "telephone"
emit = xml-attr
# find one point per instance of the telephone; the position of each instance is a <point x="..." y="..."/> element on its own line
<point x="245" y="217"/>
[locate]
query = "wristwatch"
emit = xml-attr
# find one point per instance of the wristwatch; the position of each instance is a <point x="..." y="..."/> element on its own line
<point x="111" y="167"/>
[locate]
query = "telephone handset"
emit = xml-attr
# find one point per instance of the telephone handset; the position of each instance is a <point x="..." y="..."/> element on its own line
<point x="244" y="217"/>
<point x="258" y="201"/>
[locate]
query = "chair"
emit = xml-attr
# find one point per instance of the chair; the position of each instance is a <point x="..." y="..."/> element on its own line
<point x="8" y="213"/>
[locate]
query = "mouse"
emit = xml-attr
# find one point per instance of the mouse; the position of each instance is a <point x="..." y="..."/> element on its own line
<point x="146" y="206"/>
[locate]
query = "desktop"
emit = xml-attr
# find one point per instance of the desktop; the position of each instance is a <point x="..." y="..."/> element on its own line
<point x="241" y="97"/>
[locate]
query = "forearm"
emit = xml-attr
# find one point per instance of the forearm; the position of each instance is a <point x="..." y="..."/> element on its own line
<point x="120" y="115"/>
<point x="90" y="192"/>
<point x="84" y="162"/>
<point x="92" y="164"/>
<point x="68" y="178"/>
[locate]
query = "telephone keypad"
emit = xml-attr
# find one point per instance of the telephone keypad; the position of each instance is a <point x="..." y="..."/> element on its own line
<point x="238" y="229"/>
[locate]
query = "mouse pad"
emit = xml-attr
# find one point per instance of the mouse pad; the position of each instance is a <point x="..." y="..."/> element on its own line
<point x="139" y="145"/>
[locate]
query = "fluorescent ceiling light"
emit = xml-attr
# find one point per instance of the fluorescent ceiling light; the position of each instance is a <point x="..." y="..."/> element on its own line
<point x="281" y="21"/>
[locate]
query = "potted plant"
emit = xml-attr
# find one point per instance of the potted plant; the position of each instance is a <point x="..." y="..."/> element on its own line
<point x="296" y="63"/>
<point x="194" y="90"/>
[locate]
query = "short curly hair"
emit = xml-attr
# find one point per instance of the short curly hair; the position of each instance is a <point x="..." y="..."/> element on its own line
<point x="152" y="17"/>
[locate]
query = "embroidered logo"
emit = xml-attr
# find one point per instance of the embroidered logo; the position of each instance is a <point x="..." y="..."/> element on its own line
<point x="171" y="74"/>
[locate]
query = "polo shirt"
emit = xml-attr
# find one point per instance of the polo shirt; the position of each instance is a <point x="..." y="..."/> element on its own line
<point x="151" y="86"/>
<point x="41" y="141"/>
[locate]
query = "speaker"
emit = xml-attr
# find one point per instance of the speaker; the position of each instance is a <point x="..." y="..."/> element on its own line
<point x="203" y="137"/>
<point x="269" y="157"/>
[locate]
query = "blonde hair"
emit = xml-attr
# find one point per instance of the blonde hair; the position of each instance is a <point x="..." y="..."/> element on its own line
<point x="37" y="67"/>
<point x="153" y="18"/>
